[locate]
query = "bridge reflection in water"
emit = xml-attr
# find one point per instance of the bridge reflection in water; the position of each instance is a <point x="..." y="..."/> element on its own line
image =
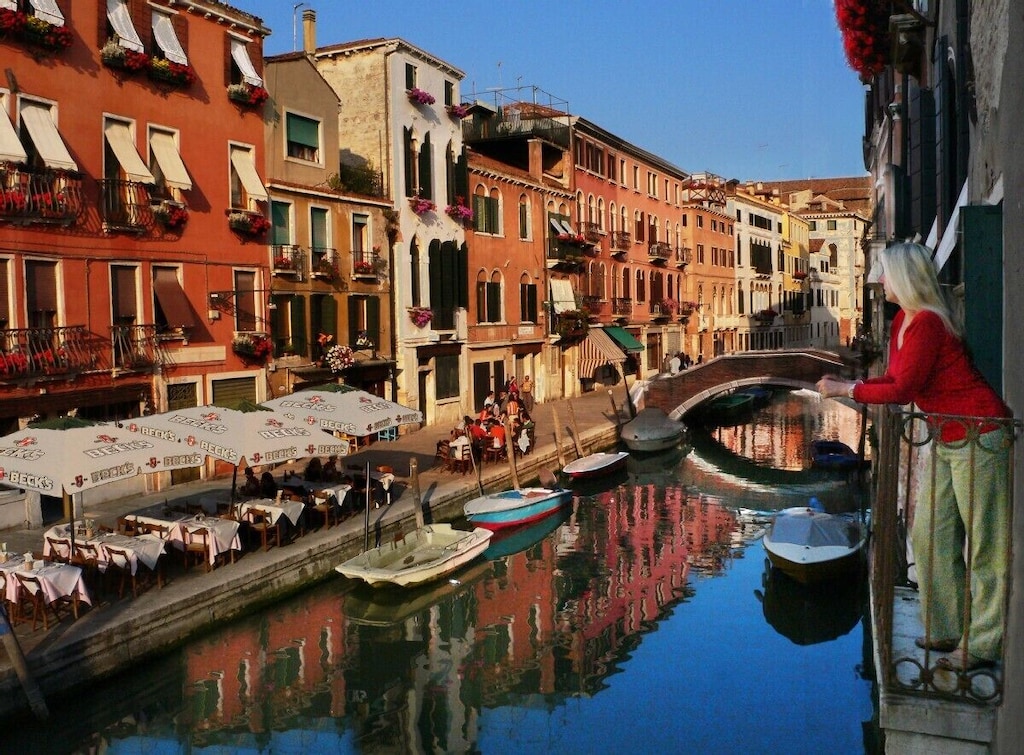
<point x="637" y="615"/>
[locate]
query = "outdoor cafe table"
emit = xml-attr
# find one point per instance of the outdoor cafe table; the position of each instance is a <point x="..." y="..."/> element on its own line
<point x="339" y="490"/>
<point x="146" y="548"/>
<point x="224" y="534"/>
<point x="289" y="509"/>
<point x="55" y="580"/>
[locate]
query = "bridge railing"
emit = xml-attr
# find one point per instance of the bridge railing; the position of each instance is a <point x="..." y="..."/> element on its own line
<point x="911" y="455"/>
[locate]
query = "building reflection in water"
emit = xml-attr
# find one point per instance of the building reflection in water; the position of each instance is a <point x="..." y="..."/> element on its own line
<point x="413" y="671"/>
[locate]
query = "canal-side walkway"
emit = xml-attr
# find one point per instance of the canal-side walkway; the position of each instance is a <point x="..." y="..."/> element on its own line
<point x="117" y="633"/>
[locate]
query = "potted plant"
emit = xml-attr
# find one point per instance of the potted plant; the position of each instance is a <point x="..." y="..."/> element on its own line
<point x="362" y="267"/>
<point x="325" y="269"/>
<point x="459" y="111"/>
<point x="687" y="307"/>
<point x="281" y="262"/>
<point x="799" y="274"/>
<point x="420" y="205"/>
<point x="865" y="29"/>
<point x="35" y="31"/>
<point x="420" y="316"/>
<point x="459" y="212"/>
<point x="13" y="201"/>
<point x="252" y="346"/>
<point x="420" y="97"/>
<point x="114" y="55"/>
<point x="176" y="74"/>
<point x="572" y="323"/>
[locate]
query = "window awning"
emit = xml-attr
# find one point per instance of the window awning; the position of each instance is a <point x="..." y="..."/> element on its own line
<point x="10" y="145"/>
<point x="562" y="297"/>
<point x="119" y="137"/>
<point x="121" y="19"/>
<point x="240" y="54"/>
<point x="163" y="32"/>
<point x="567" y="227"/>
<point x="625" y="339"/>
<point x="45" y="137"/>
<point x="244" y="164"/>
<point x="48" y="11"/>
<point x="596" y="351"/>
<point x="166" y="153"/>
<point x="556" y="225"/>
<point x="172" y="299"/>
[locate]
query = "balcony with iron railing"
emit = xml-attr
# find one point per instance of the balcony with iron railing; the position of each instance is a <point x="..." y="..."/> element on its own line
<point x="621" y="241"/>
<point x="365" y="264"/>
<point x="622" y="307"/>
<point x="136" y="347"/>
<point x="33" y="353"/>
<point x="324" y="263"/>
<point x="659" y="251"/>
<point x="911" y="453"/>
<point x="39" y="196"/>
<point x="286" y="260"/>
<point x="508" y="123"/>
<point x="125" y="205"/>
<point x="595" y="306"/>
<point x="591" y="232"/>
<point x="564" y="253"/>
<point x="684" y="256"/>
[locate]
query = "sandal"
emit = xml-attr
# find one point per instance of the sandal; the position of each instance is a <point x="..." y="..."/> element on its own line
<point x="942" y="646"/>
<point x="961" y="660"/>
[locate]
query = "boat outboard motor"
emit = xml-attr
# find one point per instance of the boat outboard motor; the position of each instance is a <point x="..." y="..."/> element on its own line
<point x="815" y="505"/>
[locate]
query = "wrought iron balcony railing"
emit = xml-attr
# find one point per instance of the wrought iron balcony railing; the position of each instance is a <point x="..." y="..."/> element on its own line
<point x="909" y="454"/>
<point x="46" y="196"/>
<point x="621" y="306"/>
<point x="125" y="205"/>
<point x="659" y="251"/>
<point x="136" y="347"/>
<point x="684" y="256"/>
<point x="286" y="259"/>
<point x="621" y="241"/>
<point x="591" y="232"/>
<point x="565" y="252"/>
<point x="41" y="352"/>
<point x="324" y="263"/>
<point x="365" y="264"/>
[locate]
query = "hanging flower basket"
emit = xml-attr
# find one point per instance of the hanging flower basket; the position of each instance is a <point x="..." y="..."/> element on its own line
<point x="420" y="97"/>
<point x="421" y="206"/>
<point x="248" y="95"/>
<point x="339" y="358"/>
<point x="865" y="28"/>
<point x="459" y="212"/>
<point x="420" y="316"/>
<point x="572" y="323"/>
<point x="799" y="275"/>
<point x="687" y="307"/>
<point x="458" y="111"/>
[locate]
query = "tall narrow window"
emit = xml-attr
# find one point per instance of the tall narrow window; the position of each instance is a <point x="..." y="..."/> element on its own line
<point x="303" y="137"/>
<point x="527" y="299"/>
<point x="245" y="301"/>
<point x="524" y="217"/>
<point x="425" y="178"/>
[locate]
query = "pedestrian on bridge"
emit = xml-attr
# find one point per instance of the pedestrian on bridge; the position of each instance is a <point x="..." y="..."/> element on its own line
<point x="964" y="502"/>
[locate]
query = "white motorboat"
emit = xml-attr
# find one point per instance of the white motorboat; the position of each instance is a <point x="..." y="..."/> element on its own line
<point x="652" y="430"/>
<point x="425" y="554"/>
<point x="813" y="546"/>
<point x="595" y="465"/>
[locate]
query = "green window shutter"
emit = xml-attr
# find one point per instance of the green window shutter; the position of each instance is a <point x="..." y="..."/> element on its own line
<point x="461" y="177"/>
<point x="318" y="227"/>
<point x="410" y="163"/>
<point x="461" y="255"/>
<point x="983" y="284"/>
<point x="355" y="311"/>
<point x="435" y="273"/>
<point x="329" y="316"/>
<point x="281" y="218"/>
<point x="426" y="178"/>
<point x="479" y="213"/>
<point x="299" y="336"/>
<point x="304" y="131"/>
<point x="481" y="301"/>
<point x="373" y="318"/>
<point x="494" y="302"/>
<point x="493" y="224"/>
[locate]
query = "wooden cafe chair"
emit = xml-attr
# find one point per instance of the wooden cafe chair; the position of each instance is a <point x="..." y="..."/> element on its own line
<point x="262" y="523"/>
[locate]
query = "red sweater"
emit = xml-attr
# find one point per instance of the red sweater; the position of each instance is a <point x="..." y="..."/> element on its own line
<point x="932" y="370"/>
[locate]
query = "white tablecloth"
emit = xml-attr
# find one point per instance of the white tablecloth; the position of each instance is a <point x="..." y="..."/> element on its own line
<point x="290" y="509"/>
<point x="56" y="581"/>
<point x="223" y="532"/>
<point x="146" y="548"/>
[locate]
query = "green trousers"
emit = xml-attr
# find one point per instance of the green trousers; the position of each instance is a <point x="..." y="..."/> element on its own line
<point x="961" y="518"/>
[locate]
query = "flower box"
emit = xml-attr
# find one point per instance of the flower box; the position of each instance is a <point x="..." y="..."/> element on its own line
<point x="171" y="216"/>
<point x="248" y="223"/>
<point x="169" y="72"/>
<point x="572" y="323"/>
<point x="420" y="316"/>
<point x="421" y="206"/>
<point x="283" y="263"/>
<point x="420" y="97"/>
<point x="121" y="58"/>
<point x="252" y="346"/>
<point x="248" y="95"/>
<point x="865" y="29"/>
<point x="362" y="267"/>
<point x="799" y="274"/>
<point x="325" y="269"/>
<point x="35" y="31"/>
<point x="458" y="111"/>
<point x="13" y="201"/>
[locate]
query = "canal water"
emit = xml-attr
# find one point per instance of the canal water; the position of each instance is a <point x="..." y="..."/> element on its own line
<point x="642" y="619"/>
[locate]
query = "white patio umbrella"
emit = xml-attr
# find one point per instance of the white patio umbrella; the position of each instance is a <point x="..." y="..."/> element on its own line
<point x="258" y="437"/>
<point x="73" y="455"/>
<point x="341" y="408"/>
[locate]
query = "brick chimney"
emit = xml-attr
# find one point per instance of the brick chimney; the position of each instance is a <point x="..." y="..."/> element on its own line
<point x="309" y="31"/>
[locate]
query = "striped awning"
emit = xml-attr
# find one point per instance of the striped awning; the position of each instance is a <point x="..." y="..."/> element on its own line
<point x="596" y="351"/>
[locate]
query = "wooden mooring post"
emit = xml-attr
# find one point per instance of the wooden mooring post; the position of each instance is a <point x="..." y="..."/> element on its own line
<point x="575" y="432"/>
<point x="558" y="437"/>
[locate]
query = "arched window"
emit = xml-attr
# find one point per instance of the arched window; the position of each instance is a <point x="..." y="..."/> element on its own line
<point x="486" y="210"/>
<point x="641" y="287"/>
<point x="598" y="282"/>
<point x="626" y="287"/>
<point x="524" y="218"/>
<point x="600" y="214"/>
<point x="527" y="299"/>
<point x="638" y="226"/>
<point x="488" y="297"/>
<point x="613" y="220"/>
<point x="425" y="177"/>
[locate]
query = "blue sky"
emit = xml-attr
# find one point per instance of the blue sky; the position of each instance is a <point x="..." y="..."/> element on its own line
<point x="747" y="89"/>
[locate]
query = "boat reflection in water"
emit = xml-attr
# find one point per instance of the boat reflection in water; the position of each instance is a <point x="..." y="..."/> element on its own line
<point x="809" y="614"/>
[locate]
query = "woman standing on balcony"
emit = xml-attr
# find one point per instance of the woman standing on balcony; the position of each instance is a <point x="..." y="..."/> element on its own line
<point x="966" y="501"/>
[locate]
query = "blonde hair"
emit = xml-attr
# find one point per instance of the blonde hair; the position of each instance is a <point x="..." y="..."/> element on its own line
<point x="910" y="273"/>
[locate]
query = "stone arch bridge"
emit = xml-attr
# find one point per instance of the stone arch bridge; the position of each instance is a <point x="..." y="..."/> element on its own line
<point x="797" y="368"/>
